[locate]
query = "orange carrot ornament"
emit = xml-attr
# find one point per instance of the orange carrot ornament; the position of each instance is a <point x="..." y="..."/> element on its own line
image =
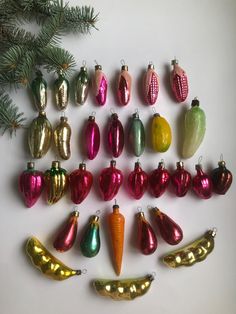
<point x="116" y="222"/>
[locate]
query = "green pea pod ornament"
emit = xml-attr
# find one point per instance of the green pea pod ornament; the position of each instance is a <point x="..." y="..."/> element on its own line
<point x="194" y="129"/>
<point x="61" y="91"/>
<point x="90" y="242"/>
<point x="39" y="91"/>
<point x="136" y="135"/>
<point x="81" y="86"/>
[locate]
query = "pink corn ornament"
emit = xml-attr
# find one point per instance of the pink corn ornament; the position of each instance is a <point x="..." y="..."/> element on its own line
<point x="92" y="136"/>
<point x="124" y="86"/>
<point x="151" y="85"/>
<point x="115" y="136"/>
<point x="100" y="86"/>
<point x="179" y="82"/>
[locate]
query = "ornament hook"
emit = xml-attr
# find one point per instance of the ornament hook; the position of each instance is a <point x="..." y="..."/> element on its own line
<point x="122" y="61"/>
<point x="221" y="157"/>
<point x="200" y="160"/>
<point x="83" y="63"/>
<point x="84" y="271"/>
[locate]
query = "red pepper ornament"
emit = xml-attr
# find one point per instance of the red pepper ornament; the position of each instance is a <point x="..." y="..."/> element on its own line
<point x="169" y="230"/>
<point x="137" y="181"/>
<point x="202" y="183"/>
<point x="147" y="241"/>
<point x="181" y="180"/>
<point x="110" y="181"/>
<point x="92" y="137"/>
<point x="221" y="178"/>
<point x="179" y="82"/>
<point x="159" y="180"/>
<point x="115" y="136"/>
<point x="80" y="181"/>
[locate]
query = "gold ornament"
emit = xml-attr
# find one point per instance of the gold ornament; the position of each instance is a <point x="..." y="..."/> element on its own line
<point x="61" y="90"/>
<point x="48" y="264"/>
<point x="62" y="136"/>
<point x="194" y="252"/>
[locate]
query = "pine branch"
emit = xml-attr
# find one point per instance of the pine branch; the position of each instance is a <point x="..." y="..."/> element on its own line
<point x="10" y="117"/>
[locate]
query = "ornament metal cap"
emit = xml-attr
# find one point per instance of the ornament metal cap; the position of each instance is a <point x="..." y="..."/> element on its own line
<point x="75" y="213"/>
<point x="82" y="166"/>
<point x="83" y="68"/>
<point x="222" y="163"/>
<point x="151" y="66"/>
<point x="135" y="115"/>
<point x="30" y="165"/>
<point x="112" y="163"/>
<point x="124" y="67"/>
<point x="91" y="118"/>
<point x="63" y="119"/>
<point x="195" y="102"/>
<point x="56" y="164"/>
<point x="98" y="67"/>
<point x="180" y="164"/>
<point x="174" y="61"/>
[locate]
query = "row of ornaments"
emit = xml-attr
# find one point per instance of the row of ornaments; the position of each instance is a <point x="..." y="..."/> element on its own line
<point x="178" y="81"/>
<point x="56" y="181"/>
<point x="40" y="134"/>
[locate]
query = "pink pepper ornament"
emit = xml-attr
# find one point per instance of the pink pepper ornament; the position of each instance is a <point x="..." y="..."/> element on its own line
<point x="31" y="183"/>
<point x="124" y="86"/>
<point x="181" y="180"/>
<point x="100" y="86"/>
<point x="151" y="85"/>
<point x="110" y="181"/>
<point x="159" y="180"/>
<point x="137" y="182"/>
<point x="202" y="183"/>
<point x="92" y="137"/>
<point x="115" y="136"/>
<point x="80" y="181"/>
<point x="179" y="82"/>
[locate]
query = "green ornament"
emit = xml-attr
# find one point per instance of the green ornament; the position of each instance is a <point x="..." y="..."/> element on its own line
<point x="39" y="90"/>
<point x="81" y="86"/>
<point x="136" y="135"/>
<point x="90" y="243"/>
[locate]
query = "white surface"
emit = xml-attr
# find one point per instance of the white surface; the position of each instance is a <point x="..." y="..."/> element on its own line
<point x="202" y="36"/>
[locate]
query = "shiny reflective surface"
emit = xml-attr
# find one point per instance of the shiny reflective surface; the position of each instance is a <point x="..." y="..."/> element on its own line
<point x="222" y="178"/>
<point x="126" y="289"/>
<point x="48" y="264"/>
<point x="202" y="183"/>
<point x="161" y="134"/>
<point x="39" y="90"/>
<point x="136" y="135"/>
<point x="81" y="86"/>
<point x="147" y="241"/>
<point x="31" y="183"/>
<point x="192" y="253"/>
<point x="179" y="82"/>
<point x="61" y="91"/>
<point x="137" y="182"/>
<point x="100" y="86"/>
<point x="39" y="136"/>
<point x="92" y="136"/>
<point x="151" y="85"/>
<point x="159" y="180"/>
<point x="62" y="137"/>
<point x="115" y="136"/>
<point x="181" y="180"/>
<point x="124" y="86"/>
<point x="90" y="242"/>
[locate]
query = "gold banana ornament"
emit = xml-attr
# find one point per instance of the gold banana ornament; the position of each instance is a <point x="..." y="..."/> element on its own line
<point x="192" y="253"/>
<point x="48" y="264"/>
<point x="126" y="289"/>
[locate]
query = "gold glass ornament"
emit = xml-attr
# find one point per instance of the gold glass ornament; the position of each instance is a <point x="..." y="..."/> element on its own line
<point x="62" y="136"/>
<point x="39" y="135"/>
<point x="61" y="90"/>
<point x="39" y="91"/>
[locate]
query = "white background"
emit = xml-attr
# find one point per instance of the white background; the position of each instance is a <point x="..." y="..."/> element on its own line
<point x="201" y="34"/>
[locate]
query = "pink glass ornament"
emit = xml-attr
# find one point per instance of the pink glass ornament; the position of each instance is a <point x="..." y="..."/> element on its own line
<point x="66" y="236"/>
<point x="159" y="180"/>
<point x="92" y="136"/>
<point x="110" y="181"/>
<point x="100" y="86"/>
<point x="179" y="82"/>
<point x="147" y="241"/>
<point x="137" y="181"/>
<point x="151" y="85"/>
<point x="202" y="183"/>
<point x="169" y="230"/>
<point x="80" y="181"/>
<point x="31" y="184"/>
<point x="181" y="180"/>
<point x="124" y="86"/>
<point x="115" y="136"/>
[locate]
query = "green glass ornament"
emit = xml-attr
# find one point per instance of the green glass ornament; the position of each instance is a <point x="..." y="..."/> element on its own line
<point x="81" y="86"/>
<point x="39" y="90"/>
<point x="61" y="90"/>
<point x="136" y="135"/>
<point x="90" y="242"/>
<point x="194" y="129"/>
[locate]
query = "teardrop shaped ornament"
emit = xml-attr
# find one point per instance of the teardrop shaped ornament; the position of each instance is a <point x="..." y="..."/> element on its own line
<point x="202" y="183"/>
<point x="147" y="241"/>
<point x="161" y="134"/>
<point x="159" y="180"/>
<point x="222" y="178"/>
<point x="90" y="242"/>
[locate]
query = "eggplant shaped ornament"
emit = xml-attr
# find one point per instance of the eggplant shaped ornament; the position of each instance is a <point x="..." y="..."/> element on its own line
<point x="161" y="134"/>
<point x="39" y="91"/>
<point x="221" y="178"/>
<point x="61" y="91"/>
<point x="147" y="240"/>
<point x="151" y="85"/>
<point x="136" y="135"/>
<point x="81" y="86"/>
<point x="92" y="137"/>
<point x="124" y="85"/>
<point x="100" y="86"/>
<point x="194" y="129"/>
<point x="62" y="136"/>
<point x="115" y="136"/>
<point x="178" y="82"/>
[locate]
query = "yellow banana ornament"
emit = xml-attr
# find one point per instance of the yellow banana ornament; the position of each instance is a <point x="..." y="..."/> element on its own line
<point x="126" y="289"/>
<point x="161" y="134"/>
<point x="49" y="265"/>
<point x="192" y="253"/>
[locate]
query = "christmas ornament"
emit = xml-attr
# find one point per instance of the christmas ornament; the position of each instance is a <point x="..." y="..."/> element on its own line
<point x="202" y="184"/>
<point x="39" y="136"/>
<point x="137" y="181"/>
<point x="221" y="178"/>
<point x="124" y="85"/>
<point x="178" y="82"/>
<point x="181" y="180"/>
<point x="81" y="86"/>
<point x="169" y="230"/>
<point x="192" y="253"/>
<point x="147" y="241"/>
<point x="151" y="85"/>
<point x="136" y="135"/>
<point x="48" y="264"/>
<point x="61" y="91"/>
<point x="115" y="136"/>
<point x="39" y="91"/>
<point x="126" y="289"/>
<point x="65" y="239"/>
<point x="161" y="134"/>
<point x="80" y="181"/>
<point x="116" y="224"/>
<point x="62" y="136"/>
<point x="92" y="136"/>
<point x="110" y="181"/>
<point x="90" y="242"/>
<point x="31" y="184"/>
<point x="194" y="129"/>
<point x="56" y="182"/>
<point x="100" y="85"/>
<point x="159" y="180"/>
